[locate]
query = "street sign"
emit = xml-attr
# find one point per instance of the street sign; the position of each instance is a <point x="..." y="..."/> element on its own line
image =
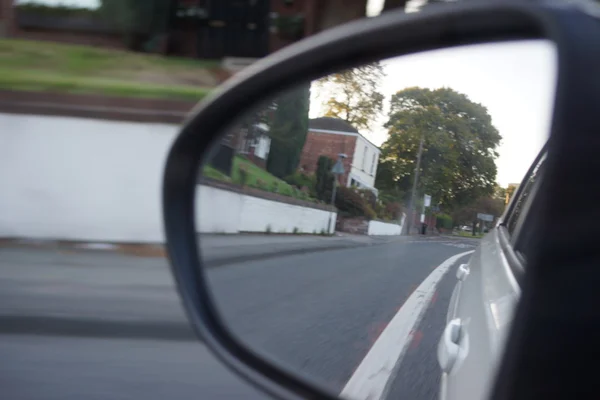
<point x="485" y="217"/>
<point x="427" y="201"/>
<point x="338" y="168"/>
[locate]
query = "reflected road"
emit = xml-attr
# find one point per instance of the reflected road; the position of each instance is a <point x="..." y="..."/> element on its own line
<point x="99" y="324"/>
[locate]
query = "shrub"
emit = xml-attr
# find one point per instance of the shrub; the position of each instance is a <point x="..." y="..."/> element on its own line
<point x="268" y="230"/>
<point x="393" y="210"/>
<point x="287" y="191"/>
<point x="243" y="175"/>
<point x="301" y="180"/>
<point x="443" y="221"/>
<point x="261" y="184"/>
<point x="275" y="187"/>
<point x="350" y="202"/>
<point x="369" y="197"/>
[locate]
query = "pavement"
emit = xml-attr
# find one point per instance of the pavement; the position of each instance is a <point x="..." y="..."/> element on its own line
<point x="226" y="249"/>
<point x="78" y="323"/>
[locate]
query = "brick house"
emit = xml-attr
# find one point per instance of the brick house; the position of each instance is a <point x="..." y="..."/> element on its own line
<point x="332" y="136"/>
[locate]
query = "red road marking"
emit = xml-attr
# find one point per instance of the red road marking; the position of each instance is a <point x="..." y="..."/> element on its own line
<point x="416" y="339"/>
<point x="433" y="298"/>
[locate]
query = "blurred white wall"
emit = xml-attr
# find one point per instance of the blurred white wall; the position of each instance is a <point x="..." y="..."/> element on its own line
<point x="64" y="178"/>
<point x="81" y="179"/>
<point x="384" y="228"/>
<point x="223" y="211"/>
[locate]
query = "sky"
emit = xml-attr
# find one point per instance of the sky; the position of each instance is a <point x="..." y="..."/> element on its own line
<point x="515" y="81"/>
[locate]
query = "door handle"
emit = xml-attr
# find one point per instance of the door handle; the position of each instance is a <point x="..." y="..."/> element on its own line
<point x="449" y="346"/>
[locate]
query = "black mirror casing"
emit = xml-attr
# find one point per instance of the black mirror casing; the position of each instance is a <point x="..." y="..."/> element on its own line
<point x="529" y="368"/>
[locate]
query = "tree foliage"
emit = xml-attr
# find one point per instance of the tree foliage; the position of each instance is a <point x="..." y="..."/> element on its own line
<point x="324" y="178"/>
<point x="288" y="129"/>
<point x="467" y="214"/>
<point x="510" y="190"/>
<point x="351" y="203"/>
<point x="354" y="95"/>
<point x="459" y="148"/>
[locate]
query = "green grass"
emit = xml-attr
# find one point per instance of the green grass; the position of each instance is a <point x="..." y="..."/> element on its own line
<point x="46" y="66"/>
<point x="257" y="178"/>
<point x="214" y="173"/>
<point x="255" y="173"/>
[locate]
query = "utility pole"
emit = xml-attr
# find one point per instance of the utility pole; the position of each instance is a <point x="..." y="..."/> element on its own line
<point x="413" y="193"/>
<point x="336" y="171"/>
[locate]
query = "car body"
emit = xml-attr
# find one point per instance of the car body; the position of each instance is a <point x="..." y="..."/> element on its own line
<point x="484" y="299"/>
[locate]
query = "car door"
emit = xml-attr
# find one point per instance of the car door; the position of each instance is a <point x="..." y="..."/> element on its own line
<point x="486" y="293"/>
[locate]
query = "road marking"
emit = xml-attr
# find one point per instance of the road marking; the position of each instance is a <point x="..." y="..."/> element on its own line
<point x="370" y="379"/>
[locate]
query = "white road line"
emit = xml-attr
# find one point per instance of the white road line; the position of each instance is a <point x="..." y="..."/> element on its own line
<point x="372" y="375"/>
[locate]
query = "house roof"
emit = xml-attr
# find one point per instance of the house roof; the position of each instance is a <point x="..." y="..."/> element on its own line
<point x="334" y="125"/>
<point x="331" y="124"/>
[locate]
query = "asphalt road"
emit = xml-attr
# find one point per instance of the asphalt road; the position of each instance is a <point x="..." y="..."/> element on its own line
<point x="102" y="325"/>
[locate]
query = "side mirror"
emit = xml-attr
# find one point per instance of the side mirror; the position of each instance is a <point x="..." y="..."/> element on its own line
<point x="215" y="181"/>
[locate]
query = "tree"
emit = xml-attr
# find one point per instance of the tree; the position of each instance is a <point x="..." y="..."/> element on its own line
<point x="288" y="131"/>
<point x="354" y="95"/>
<point x="510" y="190"/>
<point x="459" y="146"/>
<point x="324" y="185"/>
<point x="467" y="215"/>
<point x="500" y="193"/>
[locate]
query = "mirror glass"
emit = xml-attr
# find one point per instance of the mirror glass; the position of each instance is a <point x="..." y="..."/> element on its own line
<point x="333" y="218"/>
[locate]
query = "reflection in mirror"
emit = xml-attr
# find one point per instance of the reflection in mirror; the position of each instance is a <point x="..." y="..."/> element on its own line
<point x="329" y="217"/>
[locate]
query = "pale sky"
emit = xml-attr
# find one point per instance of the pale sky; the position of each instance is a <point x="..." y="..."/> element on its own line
<point x="515" y="81"/>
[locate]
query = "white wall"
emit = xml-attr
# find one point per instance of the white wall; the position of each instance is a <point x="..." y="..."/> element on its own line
<point x="93" y="180"/>
<point x="82" y="179"/>
<point x="362" y="171"/>
<point x="223" y="211"/>
<point x="383" y="228"/>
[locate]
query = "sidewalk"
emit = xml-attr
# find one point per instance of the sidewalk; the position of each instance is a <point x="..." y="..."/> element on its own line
<point x="218" y="250"/>
<point x="215" y="249"/>
<point x="111" y="290"/>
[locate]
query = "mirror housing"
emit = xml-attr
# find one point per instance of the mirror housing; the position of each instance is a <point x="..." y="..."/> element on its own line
<point x="364" y="41"/>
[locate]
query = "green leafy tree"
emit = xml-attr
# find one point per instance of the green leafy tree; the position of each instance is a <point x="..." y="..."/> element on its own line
<point x="354" y="95"/>
<point x="510" y="190"/>
<point x="288" y="130"/>
<point x="459" y="146"/>
<point x="324" y="181"/>
<point x="467" y="214"/>
<point x="500" y="193"/>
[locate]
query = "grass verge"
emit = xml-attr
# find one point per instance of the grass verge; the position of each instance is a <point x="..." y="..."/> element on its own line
<point x="57" y="67"/>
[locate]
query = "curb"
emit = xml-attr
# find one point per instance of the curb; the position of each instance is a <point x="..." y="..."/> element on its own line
<point x="159" y="250"/>
<point x="96" y="328"/>
<point x="221" y="261"/>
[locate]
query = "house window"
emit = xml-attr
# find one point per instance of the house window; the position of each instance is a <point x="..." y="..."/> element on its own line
<point x="364" y="159"/>
<point x="373" y="164"/>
